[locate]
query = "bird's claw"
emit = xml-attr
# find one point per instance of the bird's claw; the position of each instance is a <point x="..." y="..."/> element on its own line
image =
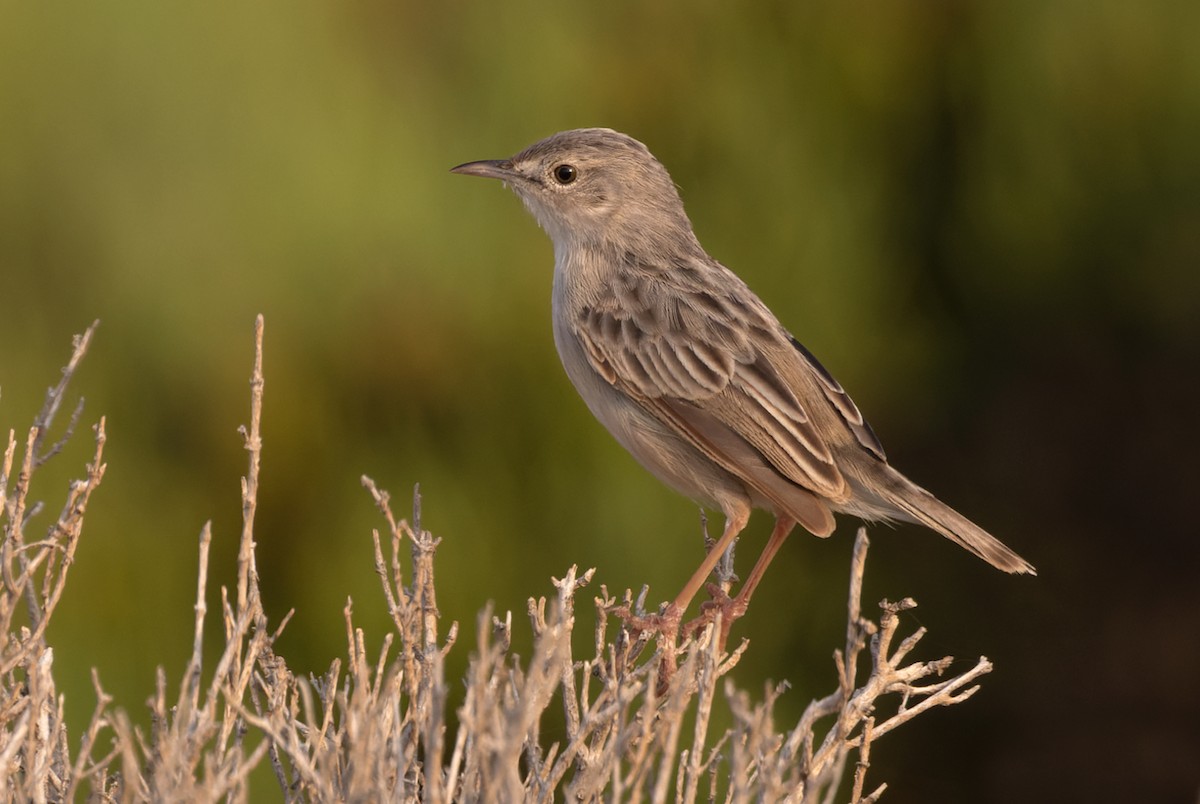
<point x="719" y="602"/>
<point x="664" y="626"/>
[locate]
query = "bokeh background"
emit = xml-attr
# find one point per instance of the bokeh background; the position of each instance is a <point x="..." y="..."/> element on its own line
<point x="985" y="218"/>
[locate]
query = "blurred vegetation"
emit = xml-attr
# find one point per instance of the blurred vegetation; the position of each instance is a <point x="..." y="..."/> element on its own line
<point x="985" y="218"/>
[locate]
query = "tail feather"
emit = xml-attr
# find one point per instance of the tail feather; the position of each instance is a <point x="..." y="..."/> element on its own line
<point x="925" y="509"/>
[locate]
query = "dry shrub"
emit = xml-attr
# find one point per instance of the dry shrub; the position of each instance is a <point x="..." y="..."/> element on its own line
<point x="376" y="728"/>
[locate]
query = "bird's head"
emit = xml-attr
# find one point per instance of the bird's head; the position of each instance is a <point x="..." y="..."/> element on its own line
<point x="594" y="187"/>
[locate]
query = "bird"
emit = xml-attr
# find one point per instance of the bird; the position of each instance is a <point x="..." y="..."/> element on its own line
<point x="691" y="372"/>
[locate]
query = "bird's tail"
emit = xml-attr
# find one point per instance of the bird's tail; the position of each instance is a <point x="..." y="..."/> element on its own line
<point x="922" y="507"/>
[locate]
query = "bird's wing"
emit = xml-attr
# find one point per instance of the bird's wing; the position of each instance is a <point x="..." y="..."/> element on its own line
<point x="841" y="401"/>
<point x="720" y="370"/>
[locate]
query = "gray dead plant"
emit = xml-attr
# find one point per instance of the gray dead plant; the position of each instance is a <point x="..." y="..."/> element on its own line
<point x="377" y="727"/>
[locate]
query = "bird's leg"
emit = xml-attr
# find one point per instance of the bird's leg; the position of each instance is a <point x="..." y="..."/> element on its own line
<point x="667" y="620"/>
<point x="735" y="522"/>
<point x="733" y="608"/>
<point x="783" y="527"/>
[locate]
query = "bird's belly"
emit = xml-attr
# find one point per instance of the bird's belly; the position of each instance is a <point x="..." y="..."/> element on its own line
<point x="668" y="456"/>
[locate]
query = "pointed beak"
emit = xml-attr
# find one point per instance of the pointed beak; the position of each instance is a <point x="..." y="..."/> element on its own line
<point x="488" y="168"/>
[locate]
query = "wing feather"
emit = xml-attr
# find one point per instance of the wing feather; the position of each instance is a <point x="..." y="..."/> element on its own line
<point x="687" y="350"/>
<point x="842" y="402"/>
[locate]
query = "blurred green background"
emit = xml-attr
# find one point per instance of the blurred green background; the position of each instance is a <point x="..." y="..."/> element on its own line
<point x="985" y="218"/>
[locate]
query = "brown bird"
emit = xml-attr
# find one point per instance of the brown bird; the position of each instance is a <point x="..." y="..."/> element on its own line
<point x="691" y="372"/>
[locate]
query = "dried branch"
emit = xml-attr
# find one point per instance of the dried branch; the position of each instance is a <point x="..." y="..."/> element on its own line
<point x="55" y="396"/>
<point x="376" y="727"/>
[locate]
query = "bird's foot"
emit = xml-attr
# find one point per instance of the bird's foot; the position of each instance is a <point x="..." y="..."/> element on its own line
<point x="638" y="624"/>
<point x="719" y="602"/>
<point x="639" y="628"/>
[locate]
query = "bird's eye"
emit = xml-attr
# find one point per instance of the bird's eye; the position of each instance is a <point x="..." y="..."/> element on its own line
<point x="565" y="174"/>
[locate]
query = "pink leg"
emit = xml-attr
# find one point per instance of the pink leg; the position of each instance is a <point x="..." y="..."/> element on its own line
<point x="734" y="523"/>
<point x="783" y="527"/>
<point x="666" y="624"/>
<point x="732" y="609"/>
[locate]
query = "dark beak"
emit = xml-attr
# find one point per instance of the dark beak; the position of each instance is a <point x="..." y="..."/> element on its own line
<point x="487" y="168"/>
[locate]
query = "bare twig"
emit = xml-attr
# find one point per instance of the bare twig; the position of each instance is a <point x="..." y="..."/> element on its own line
<point x="54" y="398"/>
<point x="375" y="726"/>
